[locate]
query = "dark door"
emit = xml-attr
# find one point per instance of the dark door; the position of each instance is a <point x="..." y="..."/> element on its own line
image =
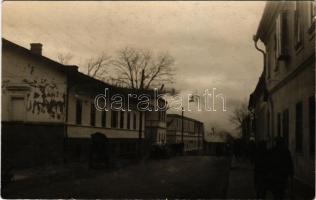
<point x="285" y="126"/>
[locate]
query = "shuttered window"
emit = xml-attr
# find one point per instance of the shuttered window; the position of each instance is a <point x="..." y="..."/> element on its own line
<point x="312" y="13"/>
<point x="281" y="36"/>
<point x="279" y="124"/>
<point x="299" y="127"/>
<point x="285" y="126"/>
<point x="122" y="120"/>
<point x="114" y="119"/>
<point x="128" y="120"/>
<point x="103" y="118"/>
<point x="78" y="111"/>
<point x="134" y="122"/>
<point x="312" y="125"/>
<point x="92" y="114"/>
<point x="298" y="29"/>
<point x="18" y="109"/>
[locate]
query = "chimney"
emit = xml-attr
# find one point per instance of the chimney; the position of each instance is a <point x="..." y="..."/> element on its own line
<point x="36" y="48"/>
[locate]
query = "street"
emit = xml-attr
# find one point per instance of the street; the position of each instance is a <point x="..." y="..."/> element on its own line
<point x="177" y="177"/>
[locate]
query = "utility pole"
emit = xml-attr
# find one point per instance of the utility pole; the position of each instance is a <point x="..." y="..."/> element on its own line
<point x="182" y="125"/>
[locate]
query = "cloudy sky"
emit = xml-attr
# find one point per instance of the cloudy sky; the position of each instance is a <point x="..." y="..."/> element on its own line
<point x="210" y="41"/>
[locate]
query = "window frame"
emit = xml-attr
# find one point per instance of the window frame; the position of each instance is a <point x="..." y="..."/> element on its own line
<point x="279" y="129"/>
<point x="79" y="119"/>
<point x="281" y="36"/>
<point x="114" y="119"/>
<point x="286" y="126"/>
<point x="268" y="65"/>
<point x="18" y="96"/>
<point x="128" y="124"/>
<point x="134" y="121"/>
<point x="92" y="114"/>
<point x="276" y="63"/>
<point x="122" y="119"/>
<point x="298" y="27"/>
<point x="103" y="118"/>
<point x="311" y="125"/>
<point x="299" y="138"/>
<point x="312" y="16"/>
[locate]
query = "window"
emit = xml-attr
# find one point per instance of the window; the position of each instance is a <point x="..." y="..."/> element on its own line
<point x="161" y="116"/>
<point x="78" y="111"/>
<point x="92" y="114"/>
<point x="275" y="56"/>
<point x="279" y="124"/>
<point x="17" y="108"/>
<point x="298" y="29"/>
<point x="268" y="63"/>
<point x="312" y="125"/>
<point x="114" y="119"/>
<point x="285" y="126"/>
<point x="122" y="120"/>
<point x="103" y="118"/>
<point x="281" y="31"/>
<point x="134" y="122"/>
<point x="268" y="124"/>
<point x="312" y="18"/>
<point x="128" y="120"/>
<point x="299" y="127"/>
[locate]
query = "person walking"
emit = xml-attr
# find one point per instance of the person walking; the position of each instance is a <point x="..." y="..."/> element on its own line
<point x="281" y="169"/>
<point x="260" y="170"/>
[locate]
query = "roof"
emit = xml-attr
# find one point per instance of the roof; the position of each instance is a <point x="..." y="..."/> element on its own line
<point x="261" y="89"/>
<point x="8" y="44"/>
<point x="73" y="70"/>
<point x="267" y="18"/>
<point x="179" y="116"/>
<point x="216" y="137"/>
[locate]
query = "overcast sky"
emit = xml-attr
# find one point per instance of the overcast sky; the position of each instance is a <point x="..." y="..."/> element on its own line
<point x="210" y="41"/>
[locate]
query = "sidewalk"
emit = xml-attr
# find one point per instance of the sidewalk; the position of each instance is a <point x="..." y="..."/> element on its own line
<point x="240" y="185"/>
<point x="45" y="175"/>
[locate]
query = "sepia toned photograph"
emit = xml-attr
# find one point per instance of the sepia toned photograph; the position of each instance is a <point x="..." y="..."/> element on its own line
<point x="158" y="100"/>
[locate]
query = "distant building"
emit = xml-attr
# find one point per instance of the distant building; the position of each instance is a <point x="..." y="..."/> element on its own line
<point x="192" y="136"/>
<point x="284" y="100"/>
<point x="215" y="144"/>
<point x="156" y="127"/>
<point x="120" y="127"/>
<point x="259" y="114"/>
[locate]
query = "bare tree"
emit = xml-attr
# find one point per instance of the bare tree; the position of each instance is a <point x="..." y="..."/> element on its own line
<point x="139" y="69"/>
<point x="238" y="115"/>
<point x="64" y="58"/>
<point x="97" y="66"/>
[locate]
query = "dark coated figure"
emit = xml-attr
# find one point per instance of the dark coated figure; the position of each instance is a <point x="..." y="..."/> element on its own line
<point x="261" y="160"/>
<point x="281" y="168"/>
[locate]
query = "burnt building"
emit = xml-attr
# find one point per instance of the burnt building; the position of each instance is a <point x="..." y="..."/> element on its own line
<point x="49" y="111"/>
<point x="34" y="93"/>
